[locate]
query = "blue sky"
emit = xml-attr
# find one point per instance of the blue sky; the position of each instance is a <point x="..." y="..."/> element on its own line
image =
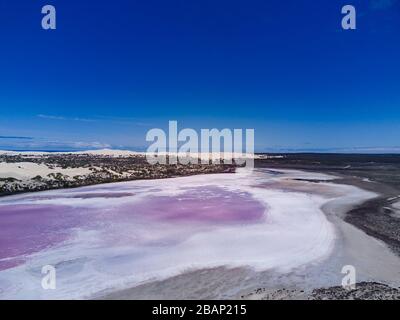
<point x="115" y="69"/>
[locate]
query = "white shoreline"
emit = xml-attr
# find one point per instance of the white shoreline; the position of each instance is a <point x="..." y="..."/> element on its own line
<point x="372" y="258"/>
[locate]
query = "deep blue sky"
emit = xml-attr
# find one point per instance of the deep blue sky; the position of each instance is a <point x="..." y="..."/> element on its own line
<point x="114" y="69"/>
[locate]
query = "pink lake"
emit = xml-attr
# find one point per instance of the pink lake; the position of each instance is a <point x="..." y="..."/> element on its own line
<point x="113" y="236"/>
<point x="36" y="222"/>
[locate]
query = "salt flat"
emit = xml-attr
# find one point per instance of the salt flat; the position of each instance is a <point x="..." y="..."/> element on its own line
<point x="107" y="238"/>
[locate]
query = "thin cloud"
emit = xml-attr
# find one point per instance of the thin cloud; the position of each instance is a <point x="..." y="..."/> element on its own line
<point x="49" y="144"/>
<point x="83" y="119"/>
<point x="117" y="120"/>
<point x="16" y="138"/>
<point x="46" y="116"/>
<point x="52" y="117"/>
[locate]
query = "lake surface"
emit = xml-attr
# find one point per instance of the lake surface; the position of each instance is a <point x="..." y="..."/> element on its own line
<point x="112" y="236"/>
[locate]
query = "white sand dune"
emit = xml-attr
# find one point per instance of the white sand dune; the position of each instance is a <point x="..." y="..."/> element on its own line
<point x="128" y="153"/>
<point x="29" y="170"/>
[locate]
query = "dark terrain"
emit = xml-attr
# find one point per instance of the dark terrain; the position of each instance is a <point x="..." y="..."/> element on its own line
<point x="377" y="173"/>
<point x="104" y="169"/>
<point x="377" y="217"/>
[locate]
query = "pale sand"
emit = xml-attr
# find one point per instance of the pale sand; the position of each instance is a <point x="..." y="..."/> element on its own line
<point x="396" y="209"/>
<point x="373" y="261"/>
<point x="29" y="170"/>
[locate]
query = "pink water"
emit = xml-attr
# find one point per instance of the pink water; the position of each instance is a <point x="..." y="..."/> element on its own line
<point x="37" y="222"/>
<point x="116" y="236"/>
